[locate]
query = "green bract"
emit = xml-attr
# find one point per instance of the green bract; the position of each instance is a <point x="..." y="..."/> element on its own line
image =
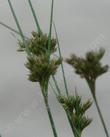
<point x="74" y="106"/>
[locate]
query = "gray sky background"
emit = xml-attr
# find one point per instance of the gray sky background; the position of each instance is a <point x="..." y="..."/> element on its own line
<point x="82" y="25"/>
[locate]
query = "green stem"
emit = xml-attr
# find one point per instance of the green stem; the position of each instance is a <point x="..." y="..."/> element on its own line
<point x="70" y="122"/>
<point x="18" y="26"/>
<point x="11" y="29"/>
<point x="8" y="27"/>
<point x="45" y="96"/>
<point x="51" y="119"/>
<point x="56" y="85"/>
<point x="63" y="72"/>
<point x="74" y="130"/>
<point x="35" y="17"/>
<point x="53" y="88"/>
<point x="16" y="20"/>
<point x="77" y="135"/>
<point x="101" y="117"/>
<point x="93" y="92"/>
<point x="50" y="29"/>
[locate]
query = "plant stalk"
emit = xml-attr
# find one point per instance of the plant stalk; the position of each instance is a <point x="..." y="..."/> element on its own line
<point x="63" y="72"/>
<point x="18" y="26"/>
<point x="101" y="117"/>
<point x="93" y="92"/>
<point x="56" y="85"/>
<point x="50" y="30"/>
<point x="75" y="132"/>
<point x="35" y="17"/>
<point x="45" y="96"/>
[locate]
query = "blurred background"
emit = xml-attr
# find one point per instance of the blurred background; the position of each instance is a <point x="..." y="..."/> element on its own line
<point x="81" y="26"/>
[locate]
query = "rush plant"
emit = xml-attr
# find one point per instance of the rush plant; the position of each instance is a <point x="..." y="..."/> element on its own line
<point x="42" y="65"/>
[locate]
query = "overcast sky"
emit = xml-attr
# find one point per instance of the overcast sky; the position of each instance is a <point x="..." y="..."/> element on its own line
<point x="82" y="25"/>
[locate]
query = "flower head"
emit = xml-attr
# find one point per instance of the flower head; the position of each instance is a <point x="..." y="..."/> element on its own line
<point x="89" y="67"/>
<point x="41" y="69"/>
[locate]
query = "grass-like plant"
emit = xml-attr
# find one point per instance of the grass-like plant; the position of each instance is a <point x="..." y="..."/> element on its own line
<point x="43" y="65"/>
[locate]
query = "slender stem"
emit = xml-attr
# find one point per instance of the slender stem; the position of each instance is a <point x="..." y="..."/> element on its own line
<point x="16" y="20"/>
<point x="53" y="88"/>
<point x="45" y="96"/>
<point x="74" y="130"/>
<point x="12" y="29"/>
<point x="70" y="122"/>
<point x="51" y="119"/>
<point x="63" y="72"/>
<point x="56" y="85"/>
<point x="35" y="17"/>
<point x="101" y="117"/>
<point x="50" y="29"/>
<point x="93" y="92"/>
<point x="8" y="27"/>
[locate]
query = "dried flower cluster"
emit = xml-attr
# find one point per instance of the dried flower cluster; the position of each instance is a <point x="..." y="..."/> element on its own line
<point x="76" y="109"/>
<point x="38" y="44"/>
<point x="41" y="68"/>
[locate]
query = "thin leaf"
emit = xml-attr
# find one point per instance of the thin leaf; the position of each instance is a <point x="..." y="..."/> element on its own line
<point x="12" y="29"/>
<point x="18" y="26"/>
<point x="8" y="27"/>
